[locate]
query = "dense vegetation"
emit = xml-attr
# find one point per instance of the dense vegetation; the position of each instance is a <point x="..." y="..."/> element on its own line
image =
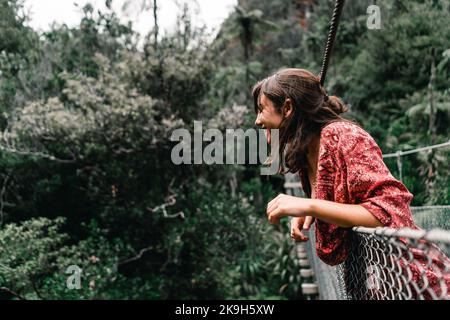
<point x="86" y="118"/>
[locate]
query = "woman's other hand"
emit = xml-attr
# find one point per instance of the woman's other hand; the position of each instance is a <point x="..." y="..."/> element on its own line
<point x="297" y="225"/>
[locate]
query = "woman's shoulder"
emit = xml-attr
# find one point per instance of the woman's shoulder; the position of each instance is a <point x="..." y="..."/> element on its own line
<point x="341" y="126"/>
<point x="346" y="137"/>
<point x="344" y="131"/>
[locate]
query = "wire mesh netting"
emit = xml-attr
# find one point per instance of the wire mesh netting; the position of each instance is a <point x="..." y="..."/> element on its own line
<point x="386" y="263"/>
<point x="328" y="278"/>
<point x="405" y="264"/>
<point x="430" y="217"/>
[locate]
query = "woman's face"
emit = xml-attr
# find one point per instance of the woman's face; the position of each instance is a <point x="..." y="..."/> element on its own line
<point x="268" y="117"/>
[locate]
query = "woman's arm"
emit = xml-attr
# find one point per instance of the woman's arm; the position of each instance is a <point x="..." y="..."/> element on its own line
<point x="343" y="215"/>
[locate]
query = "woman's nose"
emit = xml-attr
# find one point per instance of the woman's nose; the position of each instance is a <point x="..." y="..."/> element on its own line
<point x="258" y="121"/>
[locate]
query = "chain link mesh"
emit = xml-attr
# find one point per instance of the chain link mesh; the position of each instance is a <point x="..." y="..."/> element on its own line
<point x="383" y="265"/>
<point x="387" y="264"/>
<point x="430" y="217"/>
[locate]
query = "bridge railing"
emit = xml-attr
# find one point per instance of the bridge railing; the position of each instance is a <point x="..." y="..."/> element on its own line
<point x="383" y="263"/>
<point x="405" y="264"/>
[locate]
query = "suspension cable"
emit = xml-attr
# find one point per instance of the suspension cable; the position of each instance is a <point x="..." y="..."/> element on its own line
<point x="331" y="37"/>
<point x="402" y="153"/>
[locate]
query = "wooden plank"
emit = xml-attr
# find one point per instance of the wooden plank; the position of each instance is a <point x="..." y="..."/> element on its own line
<point x="292" y="185"/>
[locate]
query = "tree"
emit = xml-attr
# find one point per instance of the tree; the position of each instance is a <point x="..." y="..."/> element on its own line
<point x="245" y="24"/>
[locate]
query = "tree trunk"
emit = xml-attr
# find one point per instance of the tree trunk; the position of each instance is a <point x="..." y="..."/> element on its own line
<point x="155" y="18"/>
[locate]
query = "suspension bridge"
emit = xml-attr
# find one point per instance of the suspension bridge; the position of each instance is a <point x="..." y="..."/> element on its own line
<point x="383" y="263"/>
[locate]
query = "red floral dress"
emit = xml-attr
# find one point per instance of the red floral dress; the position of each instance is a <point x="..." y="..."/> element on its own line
<point x="351" y="170"/>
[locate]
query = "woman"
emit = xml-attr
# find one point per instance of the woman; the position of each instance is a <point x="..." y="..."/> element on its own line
<point x="340" y="165"/>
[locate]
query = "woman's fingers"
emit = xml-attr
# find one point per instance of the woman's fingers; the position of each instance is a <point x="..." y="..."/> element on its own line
<point x="272" y="204"/>
<point x="308" y="222"/>
<point x="274" y="220"/>
<point x="282" y="205"/>
<point x="271" y="207"/>
<point x="275" y="215"/>
<point x="297" y="224"/>
<point x="297" y="235"/>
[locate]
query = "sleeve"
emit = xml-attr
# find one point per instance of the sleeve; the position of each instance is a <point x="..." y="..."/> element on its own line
<point x="369" y="181"/>
<point x="331" y="243"/>
<point x="354" y="173"/>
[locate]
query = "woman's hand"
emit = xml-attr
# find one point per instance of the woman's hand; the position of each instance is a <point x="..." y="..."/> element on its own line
<point x="299" y="223"/>
<point x="284" y="205"/>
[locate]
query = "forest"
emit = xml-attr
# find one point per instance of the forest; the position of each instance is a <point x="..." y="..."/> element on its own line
<point x="86" y="115"/>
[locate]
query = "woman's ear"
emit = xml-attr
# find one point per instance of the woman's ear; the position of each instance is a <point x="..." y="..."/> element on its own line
<point x="287" y="108"/>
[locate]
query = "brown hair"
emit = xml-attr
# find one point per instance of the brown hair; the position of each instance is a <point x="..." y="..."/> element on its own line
<point x="312" y="110"/>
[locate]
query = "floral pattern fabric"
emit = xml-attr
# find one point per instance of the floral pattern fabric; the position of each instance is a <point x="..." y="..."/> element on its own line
<point x="351" y="170"/>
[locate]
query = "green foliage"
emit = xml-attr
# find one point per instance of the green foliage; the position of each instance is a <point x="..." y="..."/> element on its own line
<point x="87" y="115"/>
<point x="88" y="104"/>
<point x="34" y="257"/>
